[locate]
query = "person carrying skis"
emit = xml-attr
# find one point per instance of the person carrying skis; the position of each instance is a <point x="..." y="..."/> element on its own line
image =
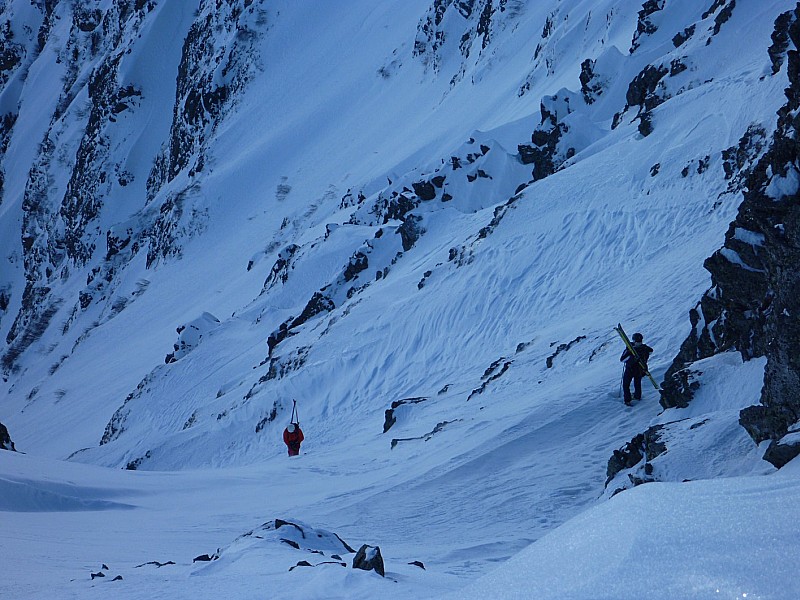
<point x="633" y="369"/>
<point x="292" y="437"/>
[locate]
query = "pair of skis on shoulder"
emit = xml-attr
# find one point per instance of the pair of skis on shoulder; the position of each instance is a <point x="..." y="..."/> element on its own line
<point x="641" y="363"/>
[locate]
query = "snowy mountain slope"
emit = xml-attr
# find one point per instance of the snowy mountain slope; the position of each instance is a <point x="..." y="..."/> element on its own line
<point x="439" y="214"/>
<point x="619" y="549"/>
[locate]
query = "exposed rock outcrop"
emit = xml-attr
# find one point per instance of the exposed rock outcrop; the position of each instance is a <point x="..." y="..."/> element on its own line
<point x="753" y="304"/>
<point x="646" y="24"/>
<point x="475" y="23"/>
<point x="217" y="62"/>
<point x="493" y="372"/>
<point x="61" y="239"/>
<point x="5" y="439"/>
<point x="644" y="446"/>
<point x="391" y="417"/>
<point x="437" y="429"/>
<point x="725" y="10"/>
<point x="368" y="558"/>
<point x="545" y="152"/>
<point x="643" y="92"/>
<point x="562" y="348"/>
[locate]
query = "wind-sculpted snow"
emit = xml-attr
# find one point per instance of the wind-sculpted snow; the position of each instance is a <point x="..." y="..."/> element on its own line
<point x="416" y="222"/>
<point x="19" y="496"/>
<point x="318" y="280"/>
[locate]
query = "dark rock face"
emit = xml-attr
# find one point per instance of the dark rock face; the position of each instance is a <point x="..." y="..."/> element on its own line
<point x="220" y="42"/>
<point x="780" y="40"/>
<point x="425" y="190"/>
<point x="135" y="464"/>
<point x="59" y="237"/>
<point x="282" y="266"/>
<point x="6" y="125"/>
<point x="480" y="18"/>
<point x="277" y="336"/>
<point x="358" y="262"/>
<point x="319" y="303"/>
<point x="562" y="348"/>
<point x="60" y="233"/>
<point x="394" y="205"/>
<point x="645" y="25"/>
<point x="368" y="558"/>
<point x="116" y="425"/>
<point x="723" y="15"/>
<point x="647" y="446"/>
<point x="679" y="381"/>
<point x="641" y="89"/>
<point x="780" y="453"/>
<point x="10" y="53"/>
<point x="590" y="88"/>
<point x="762" y="422"/>
<point x="89" y="182"/>
<point x="390" y="418"/>
<point x="204" y="558"/>
<point x="492" y="373"/>
<point x="642" y="92"/>
<point x="410" y="231"/>
<point x="679" y="384"/>
<point x="307" y="537"/>
<point x="155" y="563"/>
<point x="543" y="152"/>
<point x="5" y="439"/>
<point x="38" y="309"/>
<point x="680" y="38"/>
<point x="739" y="160"/>
<point x="273" y="414"/>
<point x="281" y="366"/>
<point x="540" y="152"/>
<point x="753" y="304"/>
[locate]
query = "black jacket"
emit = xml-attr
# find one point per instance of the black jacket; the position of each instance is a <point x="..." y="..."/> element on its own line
<point x="643" y="351"/>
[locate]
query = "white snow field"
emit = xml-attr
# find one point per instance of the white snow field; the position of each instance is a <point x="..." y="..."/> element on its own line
<point x="495" y="327"/>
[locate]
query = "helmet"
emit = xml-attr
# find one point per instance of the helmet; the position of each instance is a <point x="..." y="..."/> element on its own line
<point x="637" y="337"/>
<point x="290" y="428"/>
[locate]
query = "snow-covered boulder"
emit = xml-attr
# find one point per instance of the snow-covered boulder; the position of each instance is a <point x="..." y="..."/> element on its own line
<point x="190" y="335"/>
<point x="280" y="541"/>
<point x="368" y="558"/>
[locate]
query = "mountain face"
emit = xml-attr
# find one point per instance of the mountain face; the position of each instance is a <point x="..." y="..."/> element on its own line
<point x="750" y="305"/>
<point x="419" y="219"/>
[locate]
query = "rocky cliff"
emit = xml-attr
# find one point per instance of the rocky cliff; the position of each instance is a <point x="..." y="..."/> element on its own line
<point x="754" y="302"/>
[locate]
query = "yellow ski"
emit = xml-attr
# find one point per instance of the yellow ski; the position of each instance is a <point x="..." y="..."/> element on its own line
<point x="628" y="344"/>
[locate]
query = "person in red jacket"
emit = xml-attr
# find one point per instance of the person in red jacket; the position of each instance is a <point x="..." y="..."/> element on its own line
<point x="292" y="437"/>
